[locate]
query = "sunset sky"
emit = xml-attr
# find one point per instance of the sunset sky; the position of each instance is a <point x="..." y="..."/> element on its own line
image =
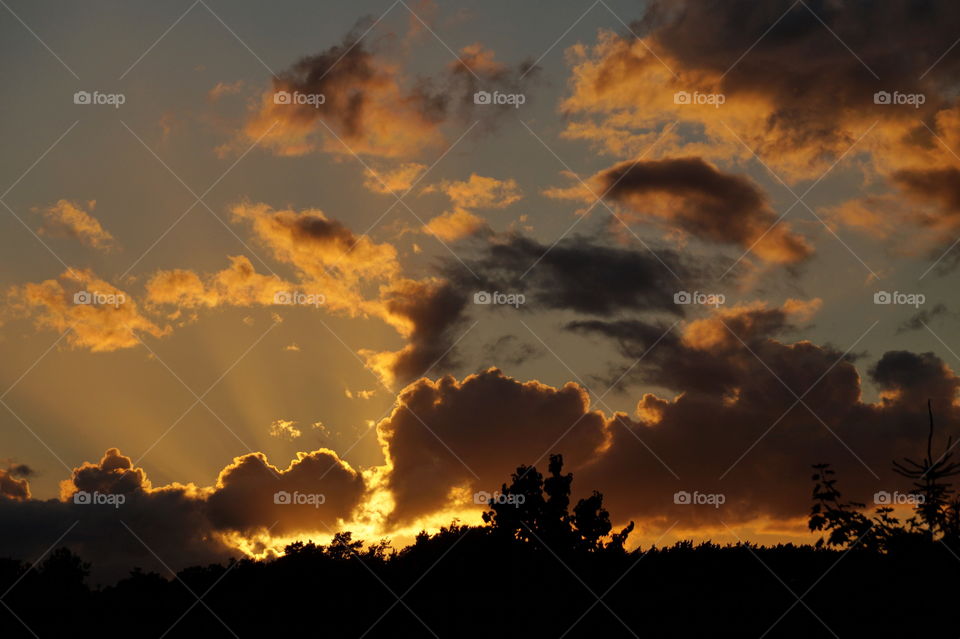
<point x="793" y="166"/>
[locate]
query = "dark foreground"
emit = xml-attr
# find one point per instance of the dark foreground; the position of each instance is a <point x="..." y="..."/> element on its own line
<point x="467" y="582"/>
<point x="538" y="569"/>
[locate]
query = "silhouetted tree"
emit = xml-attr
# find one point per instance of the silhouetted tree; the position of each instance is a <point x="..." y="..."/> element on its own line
<point x="936" y="515"/>
<point x="845" y="522"/>
<point x="343" y="546"/>
<point x="933" y="512"/>
<point x="591" y="521"/>
<point x="548" y="518"/>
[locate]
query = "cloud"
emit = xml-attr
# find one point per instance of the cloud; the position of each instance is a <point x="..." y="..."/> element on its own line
<point x="357" y="99"/>
<point x="344" y="273"/>
<point x="477" y="192"/>
<point x="331" y="263"/>
<point x="582" y="275"/>
<point x="455" y="225"/>
<point x="703" y="354"/>
<point x="332" y="260"/>
<point x="170" y="520"/>
<point x="100" y="316"/>
<point x="734" y="426"/>
<point x="359" y="394"/>
<point x="427" y="313"/>
<point x="181" y="524"/>
<point x="695" y="197"/>
<point x="918" y="320"/>
<point x="69" y="219"/>
<point x="284" y="429"/>
<point x="364" y="103"/>
<point x="940" y="186"/>
<point x="396" y="180"/>
<point x="237" y="285"/>
<point x="442" y="432"/>
<point x="911" y="378"/>
<point x="221" y="89"/>
<point x="328" y="257"/>
<point x="115" y="474"/>
<point x="796" y="97"/>
<point x="508" y="350"/>
<point x="13" y="488"/>
<point x="245" y="498"/>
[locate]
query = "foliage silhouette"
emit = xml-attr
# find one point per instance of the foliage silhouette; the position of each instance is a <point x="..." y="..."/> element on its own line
<point x="936" y="512"/>
<point x="535" y="569"/>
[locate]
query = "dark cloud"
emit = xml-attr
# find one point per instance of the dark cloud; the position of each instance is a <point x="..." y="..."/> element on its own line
<point x="704" y="356"/>
<point x="133" y="523"/>
<point x="734" y="426"/>
<point x="913" y="378"/>
<point x="709" y="204"/>
<point x="917" y="321"/>
<point x="444" y="434"/>
<point x="428" y="314"/>
<point x="171" y="522"/>
<point x="804" y="68"/>
<point x="115" y="474"/>
<point x="370" y="104"/>
<point x="21" y="470"/>
<point x="735" y="402"/>
<point x="246" y="496"/>
<point x="582" y="275"/>
<point x="508" y="350"/>
<point x="11" y="487"/>
<point x="940" y="186"/>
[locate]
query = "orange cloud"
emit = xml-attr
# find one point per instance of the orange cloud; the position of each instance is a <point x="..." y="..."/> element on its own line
<point x="237" y="285"/>
<point x="358" y="95"/>
<point x="695" y="198"/>
<point x="101" y="317"/>
<point x="396" y="180"/>
<point x="477" y="192"/>
<point x="69" y="219"/>
<point x="455" y="225"/>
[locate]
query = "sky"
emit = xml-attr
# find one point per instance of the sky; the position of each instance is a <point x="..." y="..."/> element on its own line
<point x="386" y="252"/>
